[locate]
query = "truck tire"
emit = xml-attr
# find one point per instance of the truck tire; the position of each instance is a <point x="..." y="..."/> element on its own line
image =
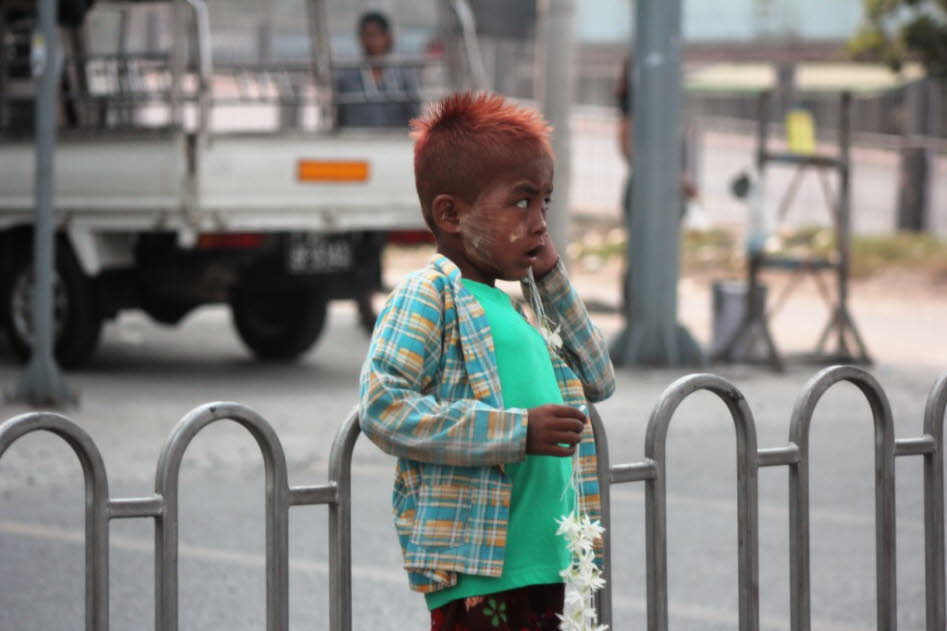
<point x="279" y="326"/>
<point x="77" y="317"/>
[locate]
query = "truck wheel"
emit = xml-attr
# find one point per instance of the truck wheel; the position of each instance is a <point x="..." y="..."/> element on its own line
<point x="76" y="315"/>
<point x="279" y="326"/>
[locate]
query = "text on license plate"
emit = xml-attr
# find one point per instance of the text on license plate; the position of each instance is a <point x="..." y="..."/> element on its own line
<point x="310" y="253"/>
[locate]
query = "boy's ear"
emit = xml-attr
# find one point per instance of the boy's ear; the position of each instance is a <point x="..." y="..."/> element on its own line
<point x="445" y="210"/>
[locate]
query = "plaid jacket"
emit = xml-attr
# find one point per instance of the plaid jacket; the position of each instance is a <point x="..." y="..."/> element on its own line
<point x="430" y="395"/>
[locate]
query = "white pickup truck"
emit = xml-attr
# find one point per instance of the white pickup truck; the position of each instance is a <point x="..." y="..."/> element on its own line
<point x="184" y="177"/>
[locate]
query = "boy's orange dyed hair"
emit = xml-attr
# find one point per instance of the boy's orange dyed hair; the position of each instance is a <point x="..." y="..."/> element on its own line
<point x="465" y="140"/>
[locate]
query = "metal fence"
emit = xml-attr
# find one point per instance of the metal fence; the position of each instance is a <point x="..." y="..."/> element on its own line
<point x="162" y="506"/>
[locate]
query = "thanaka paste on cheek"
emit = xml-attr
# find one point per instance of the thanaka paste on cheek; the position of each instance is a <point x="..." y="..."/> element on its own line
<point x="488" y="234"/>
<point x="483" y="215"/>
<point x="475" y="236"/>
<point x="518" y="233"/>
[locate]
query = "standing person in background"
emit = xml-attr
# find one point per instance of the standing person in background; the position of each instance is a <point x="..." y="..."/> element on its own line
<point x="375" y="94"/>
<point x="626" y="134"/>
<point x="625" y="128"/>
<point x="625" y="139"/>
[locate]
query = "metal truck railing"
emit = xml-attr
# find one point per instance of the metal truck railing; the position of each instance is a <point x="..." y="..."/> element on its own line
<point x="162" y="506"/>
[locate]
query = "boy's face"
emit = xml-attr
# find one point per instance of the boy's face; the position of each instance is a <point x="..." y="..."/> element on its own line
<point x="503" y="232"/>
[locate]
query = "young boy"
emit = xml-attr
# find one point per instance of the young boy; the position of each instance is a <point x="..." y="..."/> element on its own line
<point x="480" y="410"/>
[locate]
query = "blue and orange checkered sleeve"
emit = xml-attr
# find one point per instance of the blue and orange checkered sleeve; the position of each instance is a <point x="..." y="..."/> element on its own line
<point x="584" y="348"/>
<point x="398" y="406"/>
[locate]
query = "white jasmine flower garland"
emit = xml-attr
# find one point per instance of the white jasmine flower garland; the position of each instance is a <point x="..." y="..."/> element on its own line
<point x="544" y="324"/>
<point x="582" y="577"/>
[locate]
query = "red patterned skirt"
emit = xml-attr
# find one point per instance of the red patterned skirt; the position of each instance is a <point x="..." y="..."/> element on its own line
<point x="530" y="608"/>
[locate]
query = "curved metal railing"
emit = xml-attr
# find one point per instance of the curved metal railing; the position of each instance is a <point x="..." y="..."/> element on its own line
<point x="162" y="506"/>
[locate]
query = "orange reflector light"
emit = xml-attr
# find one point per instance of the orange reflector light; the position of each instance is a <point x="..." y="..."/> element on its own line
<point x="331" y="171"/>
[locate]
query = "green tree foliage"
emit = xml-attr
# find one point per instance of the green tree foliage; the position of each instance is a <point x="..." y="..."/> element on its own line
<point x="894" y="30"/>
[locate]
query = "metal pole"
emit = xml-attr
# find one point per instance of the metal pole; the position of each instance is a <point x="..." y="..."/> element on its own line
<point x="885" y="542"/>
<point x="264" y="41"/>
<point x="96" y="504"/>
<point x="320" y="53"/>
<point x="843" y="217"/>
<point x="604" y="597"/>
<point x="180" y="45"/>
<point x="651" y="334"/>
<point x="42" y="382"/>
<point x="555" y="85"/>
<point x="449" y="30"/>
<point x="748" y="608"/>
<point x="167" y="479"/>
<point x="340" y="525"/>
<point x="205" y="71"/>
<point x="4" y="68"/>
<point x="934" y="507"/>
<point x="127" y="109"/>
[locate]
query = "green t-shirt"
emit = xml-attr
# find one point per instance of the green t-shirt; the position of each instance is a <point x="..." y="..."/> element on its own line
<point x="542" y="490"/>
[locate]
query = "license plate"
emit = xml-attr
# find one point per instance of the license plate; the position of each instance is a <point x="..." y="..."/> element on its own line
<point x="316" y="253"/>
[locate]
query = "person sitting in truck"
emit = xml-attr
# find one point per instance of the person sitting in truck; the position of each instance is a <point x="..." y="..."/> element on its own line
<point x="377" y="93"/>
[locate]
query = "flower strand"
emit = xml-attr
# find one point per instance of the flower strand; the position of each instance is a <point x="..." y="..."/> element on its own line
<point x="546" y="328"/>
<point x="582" y="577"/>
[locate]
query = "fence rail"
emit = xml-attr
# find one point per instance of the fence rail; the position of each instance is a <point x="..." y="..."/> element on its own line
<point x="162" y="506"/>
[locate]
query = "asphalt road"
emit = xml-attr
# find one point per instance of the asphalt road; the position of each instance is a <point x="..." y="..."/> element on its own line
<point x="146" y="377"/>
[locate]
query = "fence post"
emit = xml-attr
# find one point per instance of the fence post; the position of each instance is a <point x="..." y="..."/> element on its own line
<point x="340" y="526"/>
<point x="799" y="571"/>
<point x="934" y="506"/>
<point x="747" y="498"/>
<point x="277" y="512"/>
<point x="603" y="597"/>
<point x="96" y="504"/>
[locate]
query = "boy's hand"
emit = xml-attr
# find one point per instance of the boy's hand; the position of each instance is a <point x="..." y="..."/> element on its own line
<point x="548" y="427"/>
<point x="546" y="259"/>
